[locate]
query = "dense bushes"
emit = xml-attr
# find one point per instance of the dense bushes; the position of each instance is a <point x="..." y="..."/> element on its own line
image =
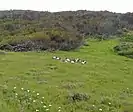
<point x="60" y="30"/>
<point x="48" y="39"/>
<point x="127" y="38"/>
<point x="125" y="49"/>
<point x="82" y="21"/>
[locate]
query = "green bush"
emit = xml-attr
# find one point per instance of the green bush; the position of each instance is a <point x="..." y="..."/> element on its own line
<point x="125" y="49"/>
<point x="127" y="38"/>
<point x="48" y="39"/>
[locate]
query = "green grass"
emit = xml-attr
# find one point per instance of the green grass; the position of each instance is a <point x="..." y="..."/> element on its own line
<point x="104" y="78"/>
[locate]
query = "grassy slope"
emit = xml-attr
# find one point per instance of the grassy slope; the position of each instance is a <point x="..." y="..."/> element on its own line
<point x="105" y="74"/>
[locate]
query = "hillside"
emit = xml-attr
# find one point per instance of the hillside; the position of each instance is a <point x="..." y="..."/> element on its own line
<point x="25" y="30"/>
<point x="104" y="83"/>
<point x="94" y="76"/>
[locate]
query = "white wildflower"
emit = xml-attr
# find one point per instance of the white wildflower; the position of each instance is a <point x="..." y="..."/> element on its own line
<point x="59" y="110"/>
<point x="14" y="87"/>
<point x="47" y="109"/>
<point x="16" y="94"/>
<point x="28" y="91"/>
<point x="42" y="97"/>
<point x="109" y="103"/>
<point x="50" y="105"/>
<point x="37" y="94"/>
<point x="37" y="110"/>
<point x="22" y="88"/>
<point x="41" y="102"/>
<point x="100" y="109"/>
<point x="34" y="101"/>
<point x="59" y="107"/>
<point x="44" y="106"/>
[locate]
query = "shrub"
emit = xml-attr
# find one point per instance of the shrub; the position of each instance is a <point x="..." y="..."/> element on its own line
<point x="111" y="102"/>
<point x="78" y="97"/>
<point x="124" y="49"/>
<point x="25" y="100"/>
<point x="127" y="38"/>
<point x="49" y="39"/>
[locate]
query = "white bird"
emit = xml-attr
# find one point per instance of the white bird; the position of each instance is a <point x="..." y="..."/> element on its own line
<point x="54" y="57"/>
<point x="72" y="62"/>
<point x="83" y="62"/>
<point x="68" y="59"/>
<point x="77" y="59"/>
<point x="57" y="58"/>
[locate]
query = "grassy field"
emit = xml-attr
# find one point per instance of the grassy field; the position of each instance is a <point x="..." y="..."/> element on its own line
<point x="103" y="84"/>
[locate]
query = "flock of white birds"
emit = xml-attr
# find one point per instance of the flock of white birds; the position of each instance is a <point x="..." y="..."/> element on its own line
<point x="68" y="60"/>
